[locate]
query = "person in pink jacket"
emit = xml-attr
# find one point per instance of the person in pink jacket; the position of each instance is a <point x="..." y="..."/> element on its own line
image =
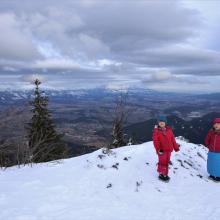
<point x="212" y="141"/>
<point x="164" y="143"/>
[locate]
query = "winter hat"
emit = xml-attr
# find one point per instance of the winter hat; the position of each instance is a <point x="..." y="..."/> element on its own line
<point x="216" y="120"/>
<point x="162" y="118"/>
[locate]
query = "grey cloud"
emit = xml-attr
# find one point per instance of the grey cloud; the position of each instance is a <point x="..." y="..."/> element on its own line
<point x="79" y="29"/>
<point x="103" y="41"/>
<point x="176" y="56"/>
<point x="15" y="41"/>
<point x="135" y="25"/>
<point x="200" y="70"/>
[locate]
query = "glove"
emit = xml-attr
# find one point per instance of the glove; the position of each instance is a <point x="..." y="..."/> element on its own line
<point x="177" y="149"/>
<point x="160" y="152"/>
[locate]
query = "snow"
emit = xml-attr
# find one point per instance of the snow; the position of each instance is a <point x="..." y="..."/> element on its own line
<point x="76" y="188"/>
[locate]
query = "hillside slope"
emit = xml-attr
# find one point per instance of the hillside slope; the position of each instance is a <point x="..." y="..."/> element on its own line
<point x="194" y="130"/>
<point x="119" y="186"/>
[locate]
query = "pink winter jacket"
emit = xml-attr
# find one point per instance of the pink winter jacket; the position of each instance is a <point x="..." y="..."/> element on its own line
<point x="212" y="141"/>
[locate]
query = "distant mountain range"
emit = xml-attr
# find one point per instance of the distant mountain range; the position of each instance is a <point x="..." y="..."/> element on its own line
<point x="9" y="96"/>
<point x="17" y="96"/>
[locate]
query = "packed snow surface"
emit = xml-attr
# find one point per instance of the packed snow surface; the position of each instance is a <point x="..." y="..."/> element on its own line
<point x="123" y="185"/>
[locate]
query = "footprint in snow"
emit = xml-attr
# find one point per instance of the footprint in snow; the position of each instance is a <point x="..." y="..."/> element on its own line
<point x="158" y="189"/>
<point x="101" y="166"/>
<point x="109" y="186"/>
<point x="101" y="156"/>
<point x="138" y="184"/>
<point x="115" y="166"/>
<point x="127" y="158"/>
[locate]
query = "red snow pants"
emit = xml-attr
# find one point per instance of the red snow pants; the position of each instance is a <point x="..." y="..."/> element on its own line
<point x="163" y="164"/>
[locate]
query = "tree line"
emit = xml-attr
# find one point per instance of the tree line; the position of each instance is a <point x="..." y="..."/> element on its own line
<point x="42" y="142"/>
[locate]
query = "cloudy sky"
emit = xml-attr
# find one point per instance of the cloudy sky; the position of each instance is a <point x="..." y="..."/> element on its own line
<point x="164" y="45"/>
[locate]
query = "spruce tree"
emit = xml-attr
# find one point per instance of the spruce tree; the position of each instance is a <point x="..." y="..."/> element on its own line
<point x="44" y="142"/>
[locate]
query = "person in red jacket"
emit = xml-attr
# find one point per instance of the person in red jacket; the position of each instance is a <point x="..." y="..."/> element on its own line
<point x="212" y="141"/>
<point x="164" y="143"/>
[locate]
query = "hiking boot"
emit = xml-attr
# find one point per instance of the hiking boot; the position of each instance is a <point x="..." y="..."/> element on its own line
<point x="211" y="177"/>
<point x="214" y="178"/>
<point x="164" y="178"/>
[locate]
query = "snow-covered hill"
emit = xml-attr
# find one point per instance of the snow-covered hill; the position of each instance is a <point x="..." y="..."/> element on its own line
<point x="119" y="186"/>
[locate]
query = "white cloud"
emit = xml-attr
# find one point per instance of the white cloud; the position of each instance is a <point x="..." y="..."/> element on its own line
<point x="32" y="77"/>
<point x="161" y="75"/>
<point x="54" y="63"/>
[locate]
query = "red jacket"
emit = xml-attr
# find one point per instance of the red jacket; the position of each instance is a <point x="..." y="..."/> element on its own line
<point x="212" y="141"/>
<point x="164" y="140"/>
